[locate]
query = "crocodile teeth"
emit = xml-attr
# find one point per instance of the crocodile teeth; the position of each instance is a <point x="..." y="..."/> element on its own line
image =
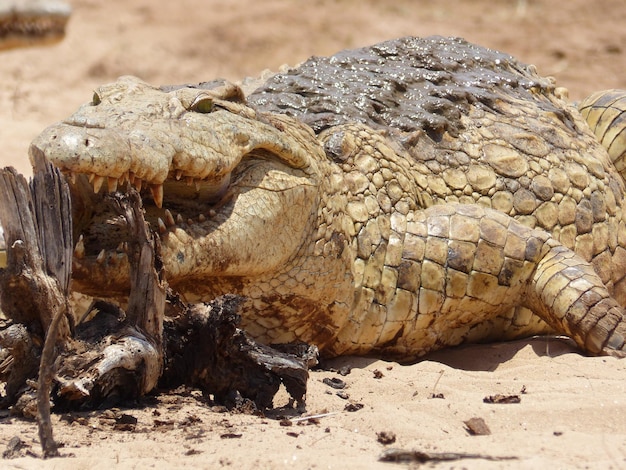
<point x="97" y="183"/>
<point x="179" y="219"/>
<point x="212" y="213"/>
<point x="179" y="174"/>
<point x="101" y="257"/>
<point x="112" y="184"/>
<point x="137" y="183"/>
<point x="201" y="218"/>
<point x="189" y="180"/>
<point x="157" y="194"/>
<point x="122" y="248"/>
<point x="197" y="185"/>
<point x="79" y="250"/>
<point x="162" y="227"/>
<point x="169" y="218"/>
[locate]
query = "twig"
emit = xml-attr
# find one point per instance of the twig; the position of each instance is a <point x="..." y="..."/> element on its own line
<point x="305" y="418"/>
<point x="408" y="456"/>
<point x="433" y="394"/>
<point x="44" y="383"/>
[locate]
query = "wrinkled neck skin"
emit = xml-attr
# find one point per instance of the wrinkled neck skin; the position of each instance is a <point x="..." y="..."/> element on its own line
<point x="321" y="294"/>
<point x="293" y="268"/>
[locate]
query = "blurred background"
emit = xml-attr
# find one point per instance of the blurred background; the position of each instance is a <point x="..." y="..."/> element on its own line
<point x="581" y="43"/>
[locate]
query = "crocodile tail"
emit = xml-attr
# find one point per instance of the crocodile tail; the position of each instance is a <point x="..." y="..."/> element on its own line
<point x="605" y="112"/>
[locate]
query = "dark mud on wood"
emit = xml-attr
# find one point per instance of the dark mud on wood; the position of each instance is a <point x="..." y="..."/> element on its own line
<point x="205" y="348"/>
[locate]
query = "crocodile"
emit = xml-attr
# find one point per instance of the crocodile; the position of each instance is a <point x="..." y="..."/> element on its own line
<point x="32" y="22"/>
<point x="390" y="200"/>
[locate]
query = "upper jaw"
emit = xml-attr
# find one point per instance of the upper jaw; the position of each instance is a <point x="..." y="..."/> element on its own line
<point x="131" y="131"/>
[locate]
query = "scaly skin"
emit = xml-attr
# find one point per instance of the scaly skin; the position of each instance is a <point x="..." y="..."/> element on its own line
<point x="32" y="22"/>
<point x="605" y="111"/>
<point x="363" y="222"/>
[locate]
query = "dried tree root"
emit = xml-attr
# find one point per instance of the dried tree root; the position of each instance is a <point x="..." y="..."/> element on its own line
<point x="34" y="294"/>
<point x="34" y="286"/>
<point x="205" y="349"/>
<point x="18" y="362"/>
<point x="119" y="355"/>
<point x="46" y="372"/>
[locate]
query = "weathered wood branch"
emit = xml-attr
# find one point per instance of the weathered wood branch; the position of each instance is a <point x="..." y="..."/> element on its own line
<point x="39" y="247"/>
<point x="35" y="285"/>
<point x="116" y="355"/>
<point x="205" y="348"/>
<point x="121" y="356"/>
<point x="146" y="303"/>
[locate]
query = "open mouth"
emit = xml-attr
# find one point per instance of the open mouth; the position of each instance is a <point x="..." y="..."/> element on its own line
<point x="179" y="202"/>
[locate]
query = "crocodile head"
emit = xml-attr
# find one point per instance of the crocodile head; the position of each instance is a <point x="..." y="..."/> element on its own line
<point x="231" y="191"/>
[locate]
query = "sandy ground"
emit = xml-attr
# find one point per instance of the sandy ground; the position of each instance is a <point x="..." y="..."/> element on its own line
<point x="572" y="412"/>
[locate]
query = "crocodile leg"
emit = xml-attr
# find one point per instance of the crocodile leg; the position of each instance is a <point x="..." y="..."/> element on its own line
<point x="463" y="269"/>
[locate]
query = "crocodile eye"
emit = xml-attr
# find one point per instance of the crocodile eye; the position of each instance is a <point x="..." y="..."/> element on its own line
<point x="95" y="100"/>
<point x="202" y="104"/>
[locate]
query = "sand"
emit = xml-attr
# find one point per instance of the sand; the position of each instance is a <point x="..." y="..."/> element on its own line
<point x="572" y="409"/>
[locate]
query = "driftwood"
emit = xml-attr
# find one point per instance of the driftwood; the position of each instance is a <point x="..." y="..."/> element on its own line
<point x="123" y="361"/>
<point x="117" y="355"/>
<point x="38" y="235"/>
<point x="34" y="287"/>
<point x="206" y="349"/>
